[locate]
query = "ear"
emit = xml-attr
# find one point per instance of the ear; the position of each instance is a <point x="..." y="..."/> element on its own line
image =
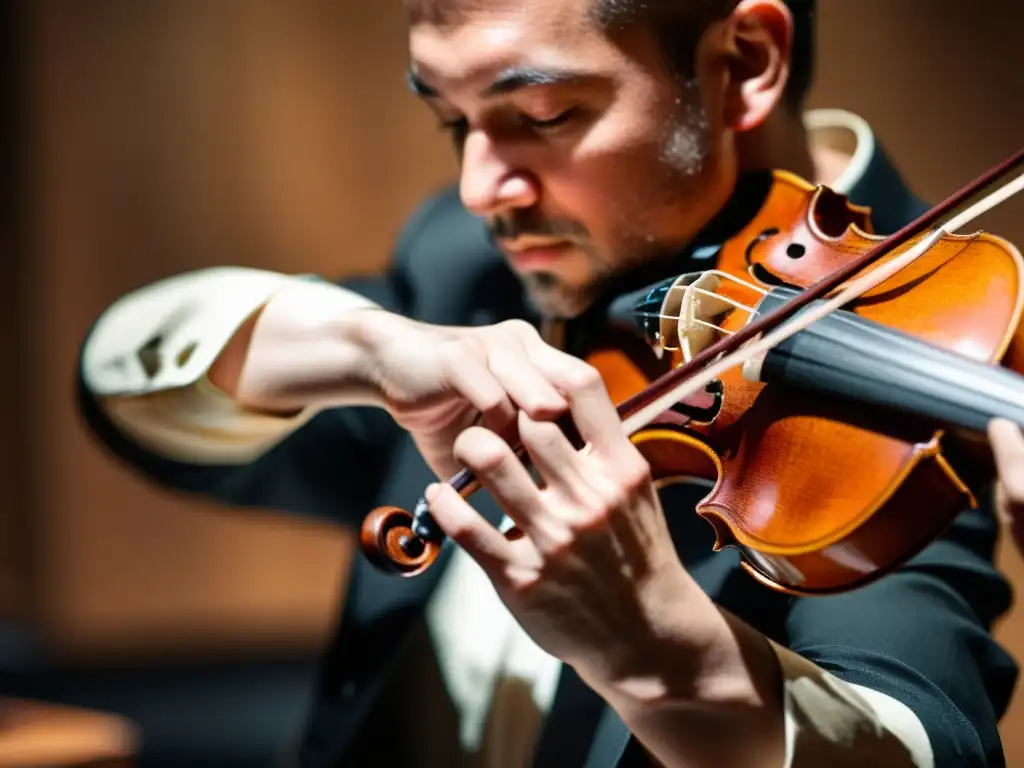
<point x="760" y="43"/>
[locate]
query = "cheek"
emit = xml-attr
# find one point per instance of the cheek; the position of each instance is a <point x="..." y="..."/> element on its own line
<point x="629" y="178"/>
<point x="660" y="181"/>
<point x="617" y="201"/>
<point x="606" y="185"/>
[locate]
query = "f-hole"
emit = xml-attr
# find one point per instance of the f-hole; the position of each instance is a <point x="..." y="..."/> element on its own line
<point x="833" y="214"/>
<point x="757" y="271"/>
<point x="766" y="278"/>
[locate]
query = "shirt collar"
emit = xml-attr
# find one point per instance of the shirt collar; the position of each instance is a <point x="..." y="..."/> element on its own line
<point x="870" y="178"/>
<point x="848" y="134"/>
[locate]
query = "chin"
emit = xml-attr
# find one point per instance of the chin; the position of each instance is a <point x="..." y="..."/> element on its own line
<point x="565" y="289"/>
<point x="559" y="302"/>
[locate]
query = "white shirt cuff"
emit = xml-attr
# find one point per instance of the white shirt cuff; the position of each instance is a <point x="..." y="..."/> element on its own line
<point x="833" y="723"/>
<point x="147" y="358"/>
<point x="199" y="424"/>
<point x="169" y="333"/>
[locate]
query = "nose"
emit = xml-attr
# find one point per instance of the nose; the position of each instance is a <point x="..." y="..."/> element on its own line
<point x="489" y="183"/>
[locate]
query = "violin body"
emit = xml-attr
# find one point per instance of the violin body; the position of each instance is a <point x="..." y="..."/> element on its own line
<point x="836" y="443"/>
<point x="821" y="493"/>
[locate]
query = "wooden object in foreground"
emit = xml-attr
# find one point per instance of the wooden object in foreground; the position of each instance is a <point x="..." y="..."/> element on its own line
<point x="37" y="734"/>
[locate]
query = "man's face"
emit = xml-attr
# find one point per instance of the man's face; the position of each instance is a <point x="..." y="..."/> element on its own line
<point x="585" y="156"/>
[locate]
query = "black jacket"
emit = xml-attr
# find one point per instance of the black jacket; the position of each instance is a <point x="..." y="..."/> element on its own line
<point x="921" y="635"/>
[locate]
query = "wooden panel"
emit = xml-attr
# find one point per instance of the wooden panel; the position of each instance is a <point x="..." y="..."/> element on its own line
<point x="172" y="137"/>
<point x="15" y="133"/>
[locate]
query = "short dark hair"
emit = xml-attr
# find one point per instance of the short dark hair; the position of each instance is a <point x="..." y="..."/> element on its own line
<point x="678" y="25"/>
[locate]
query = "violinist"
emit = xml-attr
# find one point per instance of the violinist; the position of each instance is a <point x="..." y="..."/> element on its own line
<point x="602" y="143"/>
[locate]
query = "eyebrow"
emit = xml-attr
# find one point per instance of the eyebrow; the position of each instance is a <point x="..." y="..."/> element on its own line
<point x="507" y="81"/>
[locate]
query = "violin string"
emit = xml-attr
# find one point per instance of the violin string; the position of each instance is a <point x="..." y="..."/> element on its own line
<point x="735" y="279"/>
<point x="757" y="345"/>
<point x="715" y="327"/>
<point x="854" y="289"/>
<point x="737" y="304"/>
<point x="751" y="310"/>
<point x="662" y="316"/>
<point x="726" y="299"/>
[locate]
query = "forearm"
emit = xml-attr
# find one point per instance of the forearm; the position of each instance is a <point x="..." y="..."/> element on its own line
<point x="216" y="366"/>
<point x="722" y="708"/>
<point x="167" y="422"/>
<point x="750" y="703"/>
<point x="308" y="346"/>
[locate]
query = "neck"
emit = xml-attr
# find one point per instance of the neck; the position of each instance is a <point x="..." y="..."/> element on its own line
<point x="781" y="142"/>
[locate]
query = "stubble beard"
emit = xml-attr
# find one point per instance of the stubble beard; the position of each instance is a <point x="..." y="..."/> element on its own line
<point x="683" y="154"/>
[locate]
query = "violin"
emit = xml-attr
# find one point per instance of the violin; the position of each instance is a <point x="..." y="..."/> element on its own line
<point x="837" y="412"/>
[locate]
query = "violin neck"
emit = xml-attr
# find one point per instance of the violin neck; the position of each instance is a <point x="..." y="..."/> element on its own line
<point x="855" y="359"/>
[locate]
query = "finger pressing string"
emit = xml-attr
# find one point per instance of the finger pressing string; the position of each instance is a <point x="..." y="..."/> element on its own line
<point x="473" y="381"/>
<point x="554" y="457"/>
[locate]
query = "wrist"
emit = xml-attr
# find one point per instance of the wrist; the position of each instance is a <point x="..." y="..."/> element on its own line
<point x="697" y="665"/>
<point x="309" y="346"/>
<point x="361" y="336"/>
<point x="732" y="669"/>
<point x="664" y="657"/>
<point x="710" y="681"/>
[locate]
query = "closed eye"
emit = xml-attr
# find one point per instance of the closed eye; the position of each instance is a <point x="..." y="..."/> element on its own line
<point x="552" y="122"/>
<point x="459" y="128"/>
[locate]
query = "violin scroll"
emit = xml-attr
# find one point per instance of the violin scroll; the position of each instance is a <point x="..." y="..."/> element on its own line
<point x="387" y="540"/>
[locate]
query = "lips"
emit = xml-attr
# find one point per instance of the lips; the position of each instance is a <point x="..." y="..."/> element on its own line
<point x="534" y="254"/>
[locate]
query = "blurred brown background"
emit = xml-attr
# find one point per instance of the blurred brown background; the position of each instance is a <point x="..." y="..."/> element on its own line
<point x="153" y="138"/>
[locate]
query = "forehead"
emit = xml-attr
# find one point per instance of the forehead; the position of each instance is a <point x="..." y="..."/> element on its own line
<point x="465" y="42"/>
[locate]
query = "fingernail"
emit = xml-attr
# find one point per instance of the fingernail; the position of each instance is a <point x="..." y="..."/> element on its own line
<point x="431" y="493"/>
